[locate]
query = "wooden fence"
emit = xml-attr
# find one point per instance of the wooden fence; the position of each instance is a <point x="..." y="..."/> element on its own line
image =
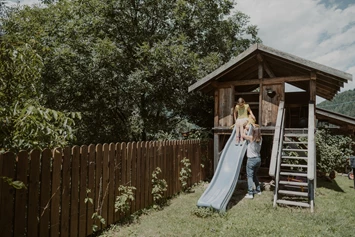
<point x="58" y="182"/>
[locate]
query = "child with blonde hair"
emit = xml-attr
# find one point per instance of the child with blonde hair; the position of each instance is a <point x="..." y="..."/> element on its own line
<point x="241" y="118"/>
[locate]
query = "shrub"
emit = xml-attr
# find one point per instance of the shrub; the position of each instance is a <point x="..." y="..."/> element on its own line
<point x="332" y="151"/>
<point x="185" y="174"/>
<point x="159" y="186"/>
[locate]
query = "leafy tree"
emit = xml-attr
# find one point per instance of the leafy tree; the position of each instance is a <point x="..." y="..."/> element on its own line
<point x="126" y="65"/>
<point x="24" y="122"/>
<point x="332" y="151"/>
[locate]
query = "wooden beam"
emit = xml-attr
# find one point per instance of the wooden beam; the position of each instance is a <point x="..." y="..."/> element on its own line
<point x="260" y="71"/>
<point x="266" y="65"/>
<point x="313" y="88"/>
<point x="335" y="116"/>
<point x="278" y="80"/>
<point x="215" y="151"/>
<point x="216" y="107"/>
<point x="266" y="81"/>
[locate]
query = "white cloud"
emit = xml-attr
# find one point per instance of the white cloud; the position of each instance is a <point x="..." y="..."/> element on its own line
<point x="309" y="29"/>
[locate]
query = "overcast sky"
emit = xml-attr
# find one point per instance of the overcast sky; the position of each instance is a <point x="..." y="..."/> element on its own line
<point x="322" y="31"/>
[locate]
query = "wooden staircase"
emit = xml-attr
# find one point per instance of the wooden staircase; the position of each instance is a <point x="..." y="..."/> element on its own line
<point x="292" y="164"/>
<point x="292" y="188"/>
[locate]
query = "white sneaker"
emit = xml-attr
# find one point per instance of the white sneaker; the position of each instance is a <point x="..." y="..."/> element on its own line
<point x="249" y="196"/>
<point x="256" y="192"/>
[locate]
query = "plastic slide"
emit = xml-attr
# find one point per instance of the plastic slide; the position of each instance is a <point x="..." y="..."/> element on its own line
<point x="223" y="183"/>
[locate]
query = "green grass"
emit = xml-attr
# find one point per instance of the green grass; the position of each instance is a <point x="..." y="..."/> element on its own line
<point x="334" y="216"/>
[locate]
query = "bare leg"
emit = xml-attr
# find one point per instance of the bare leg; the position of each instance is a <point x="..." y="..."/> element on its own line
<point x="241" y="131"/>
<point x="237" y="126"/>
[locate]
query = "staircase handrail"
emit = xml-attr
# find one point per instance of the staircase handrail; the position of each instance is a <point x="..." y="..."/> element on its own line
<point x="278" y="159"/>
<point x="277" y="138"/>
<point x="311" y="150"/>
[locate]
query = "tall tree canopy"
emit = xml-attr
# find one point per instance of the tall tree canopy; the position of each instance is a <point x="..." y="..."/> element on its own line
<point x="126" y="65"/>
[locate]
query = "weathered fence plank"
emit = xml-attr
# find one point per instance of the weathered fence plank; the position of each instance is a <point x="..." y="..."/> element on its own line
<point x="20" y="225"/>
<point x="138" y="175"/>
<point x="98" y="184"/>
<point x="65" y="207"/>
<point x="75" y="189"/>
<point x="91" y="189"/>
<point x="105" y="183"/>
<point x="56" y="192"/>
<point x="134" y="175"/>
<point x="33" y="191"/>
<point x="7" y="162"/>
<point x="118" y="169"/>
<point x="124" y="170"/>
<point x="45" y="193"/>
<point x="83" y="187"/>
<point x="111" y="194"/>
<point x="146" y="174"/>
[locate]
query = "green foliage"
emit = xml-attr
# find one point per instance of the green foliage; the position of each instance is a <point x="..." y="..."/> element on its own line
<point x="126" y="65"/>
<point x="96" y="216"/>
<point x="159" y="186"/>
<point x="185" y="174"/>
<point x="332" y="151"/>
<point x="24" y="122"/>
<point x="204" y="212"/>
<point x="123" y="201"/>
<point x="15" y="184"/>
<point x="88" y="199"/>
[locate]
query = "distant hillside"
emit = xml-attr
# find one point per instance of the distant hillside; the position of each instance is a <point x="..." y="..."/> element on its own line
<point x="343" y="103"/>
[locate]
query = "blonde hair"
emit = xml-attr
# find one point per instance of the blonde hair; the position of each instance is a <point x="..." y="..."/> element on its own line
<point x="240" y="101"/>
<point x="256" y="134"/>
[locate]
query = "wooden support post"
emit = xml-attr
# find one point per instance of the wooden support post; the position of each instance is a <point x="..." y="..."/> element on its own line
<point x="232" y="103"/>
<point x="266" y="65"/>
<point x="216" y="108"/>
<point x="312" y="87"/>
<point x="260" y="76"/>
<point x="216" y="124"/>
<point x="215" y="151"/>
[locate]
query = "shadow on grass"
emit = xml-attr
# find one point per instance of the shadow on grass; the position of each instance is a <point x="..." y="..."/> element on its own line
<point x="238" y="194"/>
<point x="329" y="184"/>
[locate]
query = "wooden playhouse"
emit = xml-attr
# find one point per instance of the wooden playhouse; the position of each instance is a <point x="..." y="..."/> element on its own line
<point x="260" y="75"/>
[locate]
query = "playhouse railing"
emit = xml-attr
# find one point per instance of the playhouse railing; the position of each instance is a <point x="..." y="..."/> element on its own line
<point x="311" y="143"/>
<point x="311" y="169"/>
<point x="277" y="138"/>
<point x="278" y="157"/>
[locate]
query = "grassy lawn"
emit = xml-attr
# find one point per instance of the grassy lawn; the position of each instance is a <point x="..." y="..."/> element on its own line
<point x="334" y="216"/>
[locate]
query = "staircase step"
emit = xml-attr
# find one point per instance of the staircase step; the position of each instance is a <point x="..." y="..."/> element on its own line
<point x="303" y="184"/>
<point x="295" y="193"/>
<point x="295" y="157"/>
<point x="291" y="149"/>
<point x="305" y="143"/>
<point x="294" y="174"/>
<point x="295" y="135"/>
<point x="292" y="203"/>
<point x="293" y="165"/>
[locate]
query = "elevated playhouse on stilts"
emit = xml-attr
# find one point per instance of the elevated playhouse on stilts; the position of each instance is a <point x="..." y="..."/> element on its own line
<point x="260" y="75"/>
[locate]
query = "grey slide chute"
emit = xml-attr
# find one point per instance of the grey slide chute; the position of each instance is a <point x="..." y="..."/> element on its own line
<point x="223" y="183"/>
